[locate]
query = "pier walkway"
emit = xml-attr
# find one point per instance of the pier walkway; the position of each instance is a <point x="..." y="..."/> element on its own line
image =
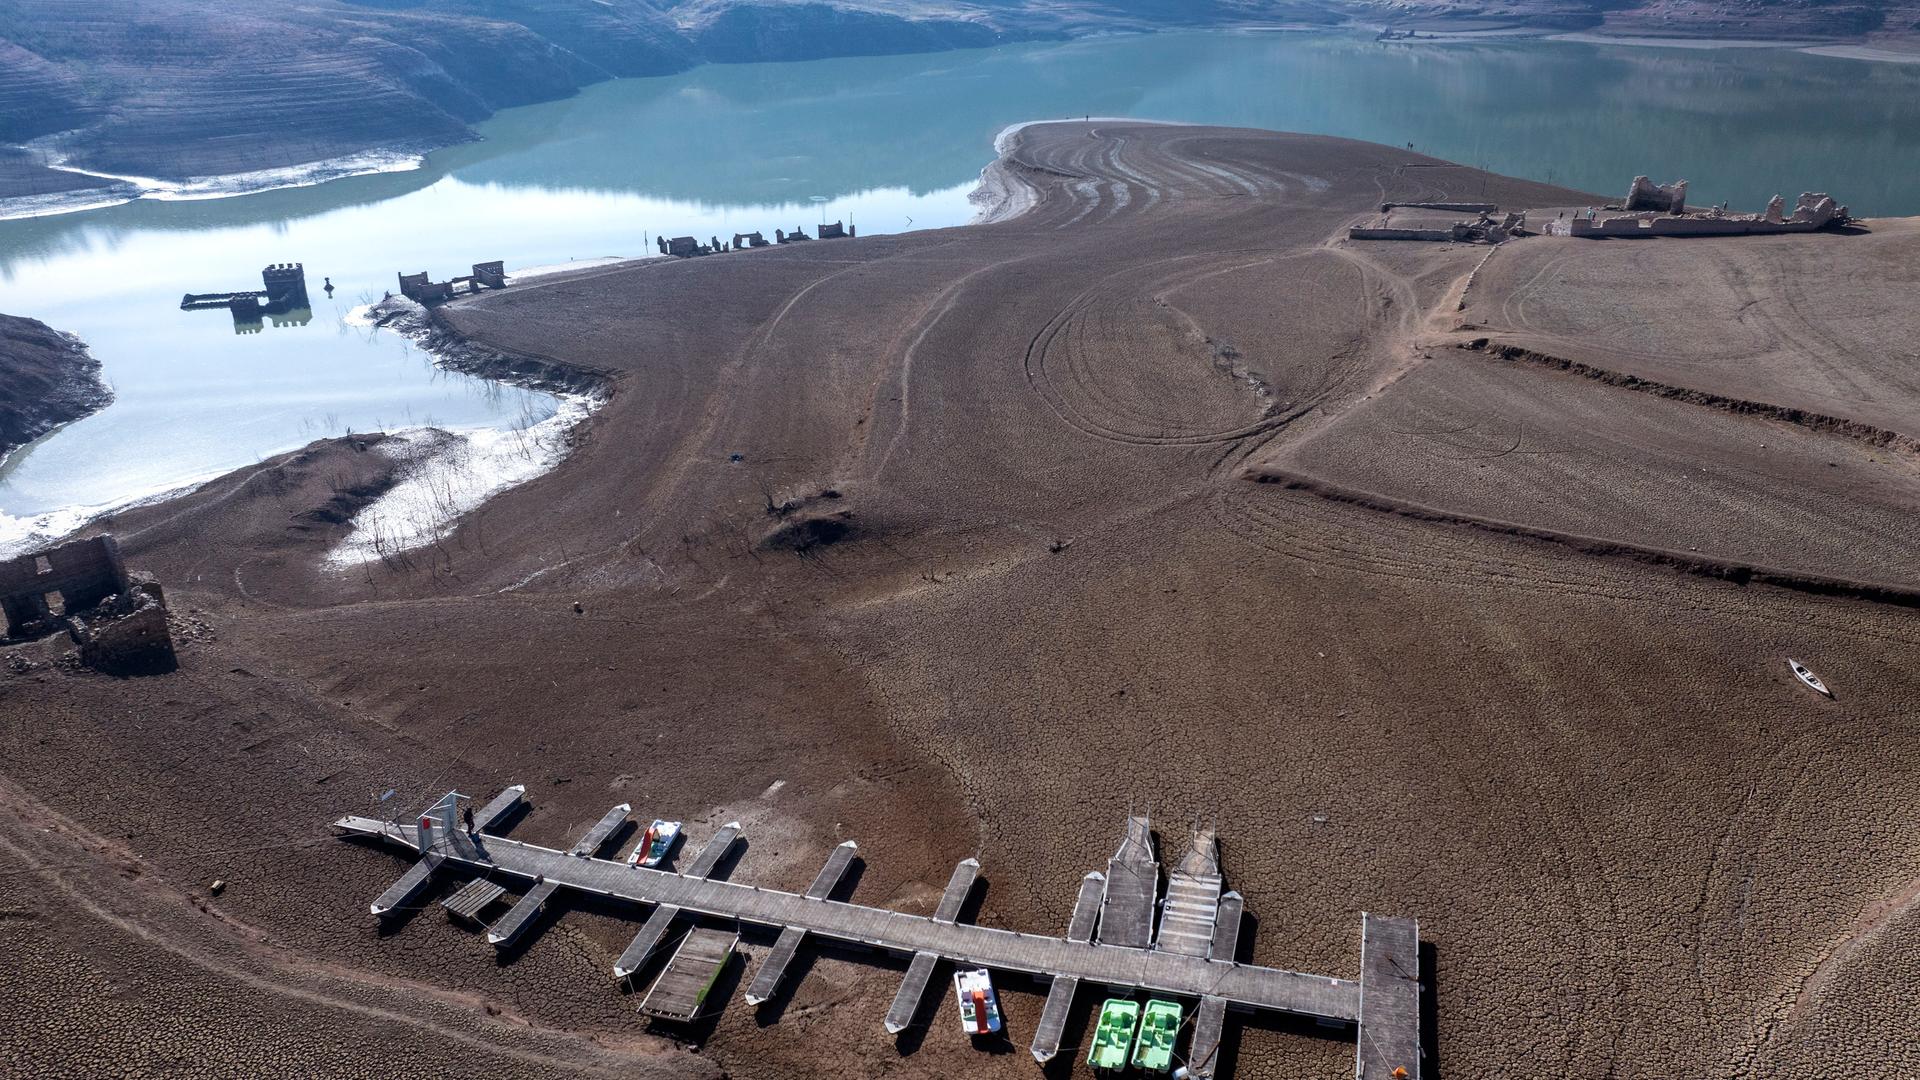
<point x="1390" y="947"/>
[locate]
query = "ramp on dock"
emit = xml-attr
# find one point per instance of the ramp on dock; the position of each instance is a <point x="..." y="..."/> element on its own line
<point x="473" y="898"/>
<point x="497" y="811"/>
<point x="1086" y="908"/>
<point x="912" y="989"/>
<point x="716" y="848"/>
<point x="1209" y="1028"/>
<point x="602" y="831"/>
<point x="1053" y="1018"/>
<point x="1226" y="928"/>
<point x="1133" y="884"/>
<point x="652" y="933"/>
<point x="682" y="988"/>
<point x="1193" y="899"/>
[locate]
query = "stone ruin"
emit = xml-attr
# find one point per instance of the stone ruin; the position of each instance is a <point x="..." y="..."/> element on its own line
<point x="421" y="289"/>
<point x="492" y="275"/>
<point x="1813" y="208"/>
<point x="1484" y="229"/>
<point x="118" y="619"/>
<point x="1811" y="212"/>
<point x="281" y="297"/>
<point x="687" y="247"/>
<point x="1645" y="195"/>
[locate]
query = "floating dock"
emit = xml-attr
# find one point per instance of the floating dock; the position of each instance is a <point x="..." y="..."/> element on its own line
<point x="1182" y="961"/>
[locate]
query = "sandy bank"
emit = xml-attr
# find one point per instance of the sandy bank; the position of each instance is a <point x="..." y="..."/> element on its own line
<point x="1866" y="52"/>
<point x="113" y="190"/>
<point x="442" y="474"/>
<point x="1646" y="42"/>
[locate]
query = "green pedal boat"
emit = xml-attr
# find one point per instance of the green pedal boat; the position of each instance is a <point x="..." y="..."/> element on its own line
<point x="1113" y="1035"/>
<point x="1159" y="1027"/>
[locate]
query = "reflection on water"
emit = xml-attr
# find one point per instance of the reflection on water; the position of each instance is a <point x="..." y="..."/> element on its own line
<point x="251" y="322"/>
<point x="889" y="143"/>
<point x="281" y="297"/>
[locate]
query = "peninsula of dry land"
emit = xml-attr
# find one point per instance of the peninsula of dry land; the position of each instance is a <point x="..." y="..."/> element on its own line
<point x="1453" y="582"/>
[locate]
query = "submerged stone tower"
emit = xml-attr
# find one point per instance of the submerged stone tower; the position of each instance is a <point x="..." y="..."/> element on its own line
<point x="286" y="287"/>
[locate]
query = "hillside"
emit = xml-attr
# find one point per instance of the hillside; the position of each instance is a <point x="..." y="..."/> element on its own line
<point x="46" y="379"/>
<point x="174" y="89"/>
<point x="1761" y="20"/>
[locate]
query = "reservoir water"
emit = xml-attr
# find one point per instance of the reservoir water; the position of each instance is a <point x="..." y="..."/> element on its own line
<point x="888" y="143"/>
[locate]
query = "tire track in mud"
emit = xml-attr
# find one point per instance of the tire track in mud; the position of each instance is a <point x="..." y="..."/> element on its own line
<point x="1691" y="563"/>
<point x="1289" y="529"/>
<point x="930" y="317"/>
<point x="1821" y="423"/>
<point x="721" y="397"/>
<point x="1054" y="343"/>
<point x="1798" y="993"/>
<point x="1723" y="844"/>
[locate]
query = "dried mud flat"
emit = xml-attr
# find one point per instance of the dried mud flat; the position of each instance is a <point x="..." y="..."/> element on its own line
<point x="958" y="542"/>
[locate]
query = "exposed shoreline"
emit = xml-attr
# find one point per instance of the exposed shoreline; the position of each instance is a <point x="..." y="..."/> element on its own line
<point x="578" y="391"/>
<point x="445" y="474"/>
<point x="120" y="190"/>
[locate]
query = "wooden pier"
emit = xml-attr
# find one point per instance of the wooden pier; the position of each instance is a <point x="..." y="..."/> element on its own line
<point x="1185" y="962"/>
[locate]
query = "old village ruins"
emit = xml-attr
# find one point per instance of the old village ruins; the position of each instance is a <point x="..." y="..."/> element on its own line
<point x="1649" y="210"/>
<point x="117" y="618"/>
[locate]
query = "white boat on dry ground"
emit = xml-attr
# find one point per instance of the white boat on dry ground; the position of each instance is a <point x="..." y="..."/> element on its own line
<point x="1806" y="675"/>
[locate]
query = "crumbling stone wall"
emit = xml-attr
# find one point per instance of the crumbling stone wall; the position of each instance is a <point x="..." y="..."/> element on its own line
<point x="285" y="285"/>
<point x="420" y="290"/>
<point x="118" y="619"/>
<point x="1644" y="194"/>
<point x="1813" y="211"/>
<point x="491" y="274"/>
<point x="127" y="634"/>
<point x="83" y="573"/>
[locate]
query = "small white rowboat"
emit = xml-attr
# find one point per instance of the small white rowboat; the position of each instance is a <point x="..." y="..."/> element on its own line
<point x="1806" y="675"/>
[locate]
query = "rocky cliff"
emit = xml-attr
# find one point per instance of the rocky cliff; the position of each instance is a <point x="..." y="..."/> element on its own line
<point x="46" y="379"/>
